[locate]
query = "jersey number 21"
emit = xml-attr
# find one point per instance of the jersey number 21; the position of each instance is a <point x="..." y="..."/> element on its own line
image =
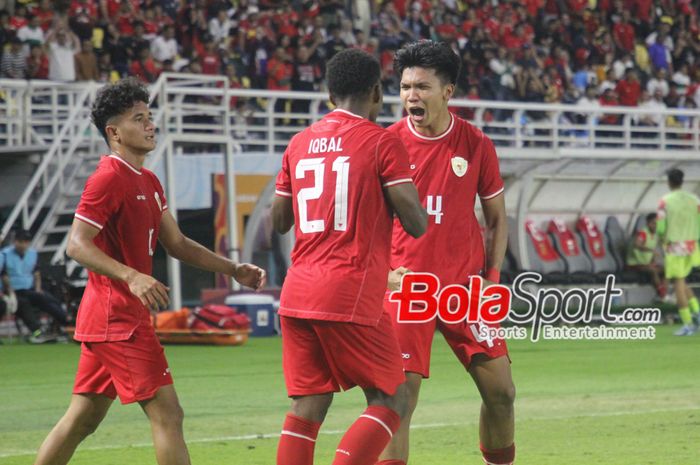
<point x="341" y="167"/>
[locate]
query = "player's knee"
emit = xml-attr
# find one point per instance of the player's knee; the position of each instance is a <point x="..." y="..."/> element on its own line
<point x="171" y="417"/>
<point x="399" y="402"/>
<point x="501" y="396"/>
<point x="85" y="425"/>
<point x="313" y="408"/>
<point x="176" y="416"/>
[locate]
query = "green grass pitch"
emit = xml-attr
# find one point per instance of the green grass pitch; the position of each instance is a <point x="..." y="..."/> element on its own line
<point x="579" y="402"/>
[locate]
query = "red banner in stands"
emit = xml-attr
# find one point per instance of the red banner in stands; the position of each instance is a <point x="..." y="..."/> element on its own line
<point x="543" y="246"/>
<point x="565" y="236"/>
<point x="592" y="236"/>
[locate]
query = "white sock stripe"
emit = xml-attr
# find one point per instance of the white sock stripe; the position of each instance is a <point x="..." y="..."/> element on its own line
<point x="297" y="435"/>
<point x="491" y="463"/>
<point x="388" y="430"/>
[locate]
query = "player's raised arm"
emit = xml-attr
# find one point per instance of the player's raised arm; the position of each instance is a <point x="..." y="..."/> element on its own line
<point x="403" y="198"/>
<point x="186" y="250"/>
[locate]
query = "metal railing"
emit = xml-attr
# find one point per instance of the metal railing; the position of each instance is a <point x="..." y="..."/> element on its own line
<point x="32" y="112"/>
<point x="57" y="115"/>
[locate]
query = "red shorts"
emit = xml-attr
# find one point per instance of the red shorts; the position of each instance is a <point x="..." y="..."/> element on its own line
<point x="323" y="356"/>
<point x="416" y="340"/>
<point x="133" y="369"/>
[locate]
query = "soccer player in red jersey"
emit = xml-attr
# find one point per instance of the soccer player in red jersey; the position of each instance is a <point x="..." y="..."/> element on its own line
<point x="121" y="214"/>
<point x="451" y="162"/>
<point x="340" y="181"/>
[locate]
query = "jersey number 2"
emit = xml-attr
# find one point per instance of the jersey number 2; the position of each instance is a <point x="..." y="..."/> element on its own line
<point x="341" y="167"/>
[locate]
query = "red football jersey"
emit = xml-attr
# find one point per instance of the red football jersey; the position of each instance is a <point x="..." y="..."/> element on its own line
<point x="449" y="171"/>
<point x="335" y="172"/>
<point x="126" y="205"/>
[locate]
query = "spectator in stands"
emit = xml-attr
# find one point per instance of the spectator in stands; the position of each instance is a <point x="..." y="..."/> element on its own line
<point x="588" y="100"/>
<point x="136" y="42"/>
<point x="653" y="104"/>
<point x="629" y="89"/>
<point x="83" y="14"/>
<point x="659" y="55"/>
<point x="144" y="67"/>
<point x="335" y="43"/>
<point x="37" y="63"/>
<point x="61" y="46"/>
<point x="165" y="47"/>
<point x="21" y="275"/>
<point x="682" y="78"/>
<point x="107" y="71"/>
<point x="219" y="27"/>
<point x="643" y="255"/>
<point x="11" y="304"/>
<point x="116" y="46"/>
<point x="45" y="12"/>
<point x="679" y="229"/>
<point x="6" y="32"/>
<point x="14" y="61"/>
<point x="622" y="64"/>
<point x="86" y="63"/>
<point x="31" y="33"/>
<point x="210" y="59"/>
<point x="623" y="33"/>
<point x="19" y="18"/>
<point x="659" y="82"/>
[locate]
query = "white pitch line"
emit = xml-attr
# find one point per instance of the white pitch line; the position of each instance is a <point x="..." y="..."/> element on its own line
<point x="247" y="437"/>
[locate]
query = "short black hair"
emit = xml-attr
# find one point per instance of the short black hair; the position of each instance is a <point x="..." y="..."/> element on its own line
<point x="675" y="177"/>
<point x="352" y="73"/>
<point x="23" y="235"/>
<point x="651" y="217"/>
<point x="115" y="99"/>
<point x="429" y="54"/>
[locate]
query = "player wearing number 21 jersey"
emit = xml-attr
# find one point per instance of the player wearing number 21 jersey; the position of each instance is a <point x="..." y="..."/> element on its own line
<point x="340" y="182"/>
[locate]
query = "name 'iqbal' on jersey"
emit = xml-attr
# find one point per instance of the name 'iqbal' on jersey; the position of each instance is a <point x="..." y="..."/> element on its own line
<point x="335" y="172"/>
<point x="449" y="170"/>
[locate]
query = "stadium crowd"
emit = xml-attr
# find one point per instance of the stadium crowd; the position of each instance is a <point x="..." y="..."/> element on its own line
<point x="588" y="52"/>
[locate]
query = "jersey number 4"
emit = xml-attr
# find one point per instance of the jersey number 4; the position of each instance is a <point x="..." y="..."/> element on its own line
<point x="341" y="167"/>
<point x="434" y="207"/>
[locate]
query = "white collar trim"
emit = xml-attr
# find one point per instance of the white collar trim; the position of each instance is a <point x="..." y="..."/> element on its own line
<point x="347" y="113"/>
<point x="112" y="155"/>
<point x="421" y="136"/>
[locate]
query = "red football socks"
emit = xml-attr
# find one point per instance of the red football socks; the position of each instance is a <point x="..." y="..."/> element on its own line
<point x="367" y="437"/>
<point x="504" y="456"/>
<point x="391" y="462"/>
<point x="297" y="441"/>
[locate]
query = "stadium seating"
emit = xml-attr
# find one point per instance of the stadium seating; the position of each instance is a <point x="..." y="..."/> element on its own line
<point x="568" y="245"/>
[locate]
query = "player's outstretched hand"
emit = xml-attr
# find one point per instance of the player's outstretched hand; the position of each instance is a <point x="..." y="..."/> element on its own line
<point x="151" y="292"/>
<point x="394" y="282"/>
<point x="250" y="275"/>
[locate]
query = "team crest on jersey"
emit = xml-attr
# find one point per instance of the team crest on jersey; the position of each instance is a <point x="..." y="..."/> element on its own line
<point x="459" y="166"/>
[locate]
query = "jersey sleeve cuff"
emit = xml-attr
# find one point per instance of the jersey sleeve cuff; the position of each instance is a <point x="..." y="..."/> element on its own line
<point x="283" y="193"/>
<point x="490" y="196"/>
<point x="397" y="181"/>
<point x="89" y="221"/>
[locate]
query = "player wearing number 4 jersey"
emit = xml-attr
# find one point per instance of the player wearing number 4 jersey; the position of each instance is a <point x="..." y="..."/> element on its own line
<point x="122" y="212"/>
<point x="340" y="180"/>
<point x="452" y="162"/>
